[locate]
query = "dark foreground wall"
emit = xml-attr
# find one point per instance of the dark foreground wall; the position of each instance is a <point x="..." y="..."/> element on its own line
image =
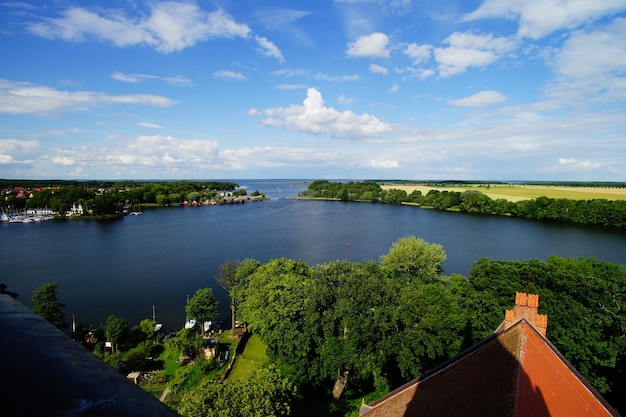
<point x="43" y="372"/>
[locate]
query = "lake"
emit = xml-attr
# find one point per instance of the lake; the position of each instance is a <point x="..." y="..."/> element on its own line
<point x="157" y="259"/>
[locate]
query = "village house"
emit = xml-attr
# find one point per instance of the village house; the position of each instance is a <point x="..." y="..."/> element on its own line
<point x="515" y="372"/>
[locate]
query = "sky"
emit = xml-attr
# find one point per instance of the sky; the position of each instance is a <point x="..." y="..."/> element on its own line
<point x="317" y="89"/>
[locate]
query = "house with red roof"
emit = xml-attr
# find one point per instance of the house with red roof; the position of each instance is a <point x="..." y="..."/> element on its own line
<point x="515" y="372"/>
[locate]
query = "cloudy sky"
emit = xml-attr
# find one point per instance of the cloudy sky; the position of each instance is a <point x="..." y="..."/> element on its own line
<point x="354" y="89"/>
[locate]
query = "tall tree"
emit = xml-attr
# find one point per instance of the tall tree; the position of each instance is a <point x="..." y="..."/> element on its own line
<point x="46" y="304"/>
<point x="115" y="329"/>
<point x="227" y="279"/>
<point x="202" y="307"/>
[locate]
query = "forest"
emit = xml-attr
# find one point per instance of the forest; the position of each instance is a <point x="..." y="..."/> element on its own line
<point x="611" y="213"/>
<point x="345" y="330"/>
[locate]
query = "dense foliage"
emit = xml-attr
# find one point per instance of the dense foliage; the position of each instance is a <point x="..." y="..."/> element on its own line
<point x="351" y="328"/>
<point x="597" y="211"/>
<point x="46" y="304"/>
<point x="264" y="393"/>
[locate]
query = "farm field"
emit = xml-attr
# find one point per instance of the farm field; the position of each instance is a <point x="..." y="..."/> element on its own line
<point x="521" y="192"/>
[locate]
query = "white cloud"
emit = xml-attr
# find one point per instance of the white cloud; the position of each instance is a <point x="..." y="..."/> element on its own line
<point x="229" y="75"/>
<point x="290" y="86"/>
<point x="286" y="72"/>
<point x="23" y="98"/>
<point x="538" y="18"/>
<point x="372" y="46"/>
<point x="383" y="163"/>
<point x="574" y="163"/>
<point x="334" y="78"/>
<point x="314" y="118"/>
<point x="160" y="150"/>
<point x="394" y="88"/>
<point x="418" y="53"/>
<point x="480" y="99"/>
<point x="169" y="27"/>
<point x="269" y="49"/>
<point x="344" y="101"/>
<point x="378" y="69"/>
<point x="469" y="50"/>
<point x="15" y="151"/>
<point x="150" y="125"/>
<point x="139" y="78"/>
<point x="599" y="53"/>
<point x="278" y="17"/>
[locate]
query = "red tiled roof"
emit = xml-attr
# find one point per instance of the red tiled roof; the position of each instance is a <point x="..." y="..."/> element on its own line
<point x="515" y="372"/>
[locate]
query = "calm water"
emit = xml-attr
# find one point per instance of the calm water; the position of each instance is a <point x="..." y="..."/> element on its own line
<point x="125" y="267"/>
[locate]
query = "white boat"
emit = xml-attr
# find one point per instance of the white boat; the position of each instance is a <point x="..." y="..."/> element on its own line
<point x="190" y="324"/>
<point x="4" y="217"/>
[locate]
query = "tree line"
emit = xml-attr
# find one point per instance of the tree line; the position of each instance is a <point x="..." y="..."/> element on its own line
<point x="602" y="212"/>
<point x="111" y="198"/>
<point x="345" y="329"/>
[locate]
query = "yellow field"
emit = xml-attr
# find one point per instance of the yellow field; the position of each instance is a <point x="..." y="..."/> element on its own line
<point x="523" y="192"/>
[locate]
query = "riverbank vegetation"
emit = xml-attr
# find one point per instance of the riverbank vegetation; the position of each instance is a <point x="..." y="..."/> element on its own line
<point x="596" y="211"/>
<point x="343" y="330"/>
<point x="102" y="200"/>
<point x="326" y="337"/>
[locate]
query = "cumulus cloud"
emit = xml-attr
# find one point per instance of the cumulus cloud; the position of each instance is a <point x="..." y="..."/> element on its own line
<point x="378" y="69"/>
<point x="480" y="99"/>
<point x="168" y="27"/>
<point x="418" y="53"/>
<point x="314" y="118"/>
<point x="165" y="151"/>
<point x="370" y="46"/>
<point x="470" y="50"/>
<point x="22" y="98"/>
<point x="538" y="18"/>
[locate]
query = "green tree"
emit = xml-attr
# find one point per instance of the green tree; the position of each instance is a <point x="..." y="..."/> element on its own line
<point x="115" y="330"/>
<point x="264" y="393"/>
<point x="202" y="306"/>
<point x="227" y="279"/>
<point x="47" y="305"/>
<point x="147" y="327"/>
<point x="411" y="259"/>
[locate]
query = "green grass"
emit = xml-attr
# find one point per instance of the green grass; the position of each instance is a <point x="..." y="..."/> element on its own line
<point x="522" y="192"/>
<point x="253" y="357"/>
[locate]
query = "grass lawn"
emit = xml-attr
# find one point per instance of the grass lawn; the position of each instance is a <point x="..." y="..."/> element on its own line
<point x="522" y="192"/>
<point x="250" y="359"/>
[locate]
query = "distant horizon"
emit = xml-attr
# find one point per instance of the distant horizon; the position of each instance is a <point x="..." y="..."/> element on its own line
<point x="431" y="180"/>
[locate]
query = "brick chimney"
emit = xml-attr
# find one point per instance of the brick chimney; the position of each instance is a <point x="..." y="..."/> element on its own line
<point x="526" y="306"/>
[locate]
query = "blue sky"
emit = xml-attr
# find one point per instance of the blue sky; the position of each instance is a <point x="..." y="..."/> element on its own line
<point x="355" y="89"/>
